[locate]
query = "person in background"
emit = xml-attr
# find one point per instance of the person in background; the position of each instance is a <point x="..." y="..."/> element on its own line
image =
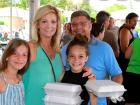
<point x="101" y="57"/>
<point x="16" y="34"/>
<point x="133" y="73"/>
<point x="125" y="38"/>
<point x="98" y="30"/>
<point x="77" y="55"/>
<point x="14" y="62"/>
<point x="67" y="35"/>
<point x="5" y="37"/>
<point x="113" y="28"/>
<point x="0" y="36"/>
<point x="136" y="34"/>
<point x="103" y="17"/>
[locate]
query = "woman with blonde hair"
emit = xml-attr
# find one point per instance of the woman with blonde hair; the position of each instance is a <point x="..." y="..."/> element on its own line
<point x="46" y="65"/>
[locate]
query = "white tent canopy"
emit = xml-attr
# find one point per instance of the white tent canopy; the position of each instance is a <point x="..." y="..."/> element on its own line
<point x="123" y="13"/>
<point x="18" y="12"/>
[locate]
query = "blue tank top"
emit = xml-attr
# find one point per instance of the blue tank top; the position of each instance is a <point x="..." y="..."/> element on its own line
<point x="13" y="94"/>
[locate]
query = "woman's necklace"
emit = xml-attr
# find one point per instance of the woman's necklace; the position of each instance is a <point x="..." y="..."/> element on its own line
<point x="49" y="51"/>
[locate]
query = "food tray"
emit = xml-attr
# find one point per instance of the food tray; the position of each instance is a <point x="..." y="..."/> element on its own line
<point x="51" y="103"/>
<point x="62" y="100"/>
<point x="105" y="88"/>
<point x="62" y="89"/>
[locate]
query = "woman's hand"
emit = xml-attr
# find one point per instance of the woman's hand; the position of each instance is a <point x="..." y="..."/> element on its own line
<point x="88" y="73"/>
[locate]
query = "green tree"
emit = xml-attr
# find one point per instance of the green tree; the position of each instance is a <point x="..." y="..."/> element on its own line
<point x="51" y="2"/>
<point x="23" y="4"/>
<point x="85" y="6"/>
<point x="1" y="23"/>
<point x="66" y="5"/>
<point x="115" y="7"/>
<point x="63" y="4"/>
<point x="4" y="3"/>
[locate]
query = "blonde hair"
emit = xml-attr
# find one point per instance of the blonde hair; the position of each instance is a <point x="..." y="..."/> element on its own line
<point x="42" y="11"/>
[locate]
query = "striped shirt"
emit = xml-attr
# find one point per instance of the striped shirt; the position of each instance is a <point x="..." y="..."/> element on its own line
<point x="13" y="94"/>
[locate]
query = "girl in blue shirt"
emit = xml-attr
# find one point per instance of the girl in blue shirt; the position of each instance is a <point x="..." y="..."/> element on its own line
<point x="15" y="60"/>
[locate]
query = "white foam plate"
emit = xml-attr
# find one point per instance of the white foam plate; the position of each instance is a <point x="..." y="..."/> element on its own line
<point x="62" y="100"/>
<point x="62" y="89"/>
<point x="50" y="103"/>
<point x="105" y="88"/>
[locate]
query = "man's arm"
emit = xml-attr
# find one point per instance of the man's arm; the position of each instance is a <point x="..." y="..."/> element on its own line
<point x="118" y="78"/>
<point x="128" y="52"/>
<point x="124" y="39"/>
